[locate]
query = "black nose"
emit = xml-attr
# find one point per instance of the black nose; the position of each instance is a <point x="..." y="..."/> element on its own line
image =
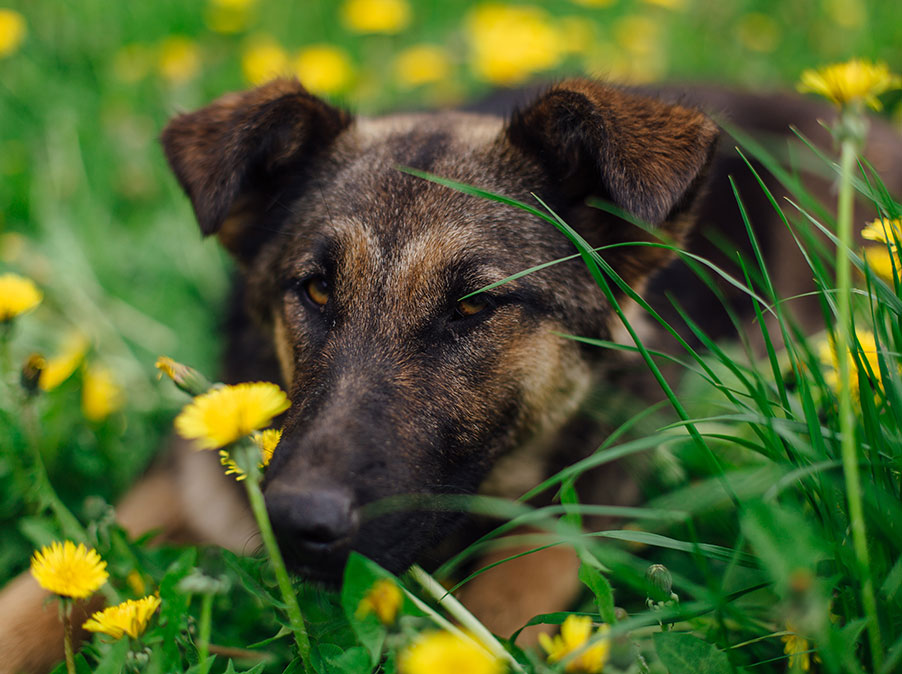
<point x="311" y="518"/>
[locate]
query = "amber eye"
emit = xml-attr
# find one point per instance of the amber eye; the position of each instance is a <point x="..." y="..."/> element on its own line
<point x="317" y="290"/>
<point x="472" y="306"/>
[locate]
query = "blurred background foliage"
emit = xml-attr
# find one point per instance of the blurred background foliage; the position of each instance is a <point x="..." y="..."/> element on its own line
<point x="89" y="210"/>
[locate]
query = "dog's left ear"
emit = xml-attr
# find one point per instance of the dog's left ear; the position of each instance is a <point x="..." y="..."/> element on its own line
<point x="230" y="155"/>
<point x="646" y="156"/>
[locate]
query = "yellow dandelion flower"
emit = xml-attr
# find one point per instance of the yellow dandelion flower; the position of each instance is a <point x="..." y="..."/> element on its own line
<point x="447" y="653"/>
<point x="828" y="356"/>
<point x="266" y="441"/>
<point x="12" y="31"/>
<point x="422" y="64"/>
<point x="179" y="59"/>
<point x="263" y="59"/>
<point x="797" y="648"/>
<point x="882" y="262"/>
<point x="376" y="16"/>
<point x="69" y="570"/>
<point x="384" y="599"/>
<point x="60" y="367"/>
<point x="511" y="42"/>
<point x="851" y="82"/>
<point x="575" y="633"/>
<point x="17" y="296"/>
<point x="324" y="69"/>
<point x="226" y="414"/>
<point x="100" y="394"/>
<point x="884" y="230"/>
<point x="130" y="617"/>
<point x="229" y="16"/>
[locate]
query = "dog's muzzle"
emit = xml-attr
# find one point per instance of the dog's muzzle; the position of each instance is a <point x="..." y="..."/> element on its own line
<point x="315" y="526"/>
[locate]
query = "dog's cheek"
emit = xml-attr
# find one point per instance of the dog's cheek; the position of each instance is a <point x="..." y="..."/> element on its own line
<point x="553" y="380"/>
<point x="284" y="348"/>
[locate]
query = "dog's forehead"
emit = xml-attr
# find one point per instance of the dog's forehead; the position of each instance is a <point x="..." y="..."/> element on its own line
<point x="367" y="185"/>
<point x="371" y="211"/>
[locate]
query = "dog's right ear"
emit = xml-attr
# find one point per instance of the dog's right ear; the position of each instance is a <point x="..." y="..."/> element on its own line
<point x="236" y="147"/>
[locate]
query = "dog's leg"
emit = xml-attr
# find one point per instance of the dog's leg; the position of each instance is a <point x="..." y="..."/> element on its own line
<point x="31" y="634"/>
<point x="506" y="596"/>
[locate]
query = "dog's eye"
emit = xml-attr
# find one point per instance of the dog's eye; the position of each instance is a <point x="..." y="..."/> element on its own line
<point x="472" y="306"/>
<point x="316" y="289"/>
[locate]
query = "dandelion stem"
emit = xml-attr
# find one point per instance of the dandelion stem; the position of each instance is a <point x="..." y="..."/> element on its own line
<point x="203" y="637"/>
<point x="846" y="412"/>
<point x="464" y="617"/>
<point x="65" y="610"/>
<point x="258" y="507"/>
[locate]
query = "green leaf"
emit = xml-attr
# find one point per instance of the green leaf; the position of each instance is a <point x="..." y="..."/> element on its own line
<point x="353" y="661"/>
<point x="321" y="656"/>
<point x="783" y="539"/>
<point x="360" y="575"/>
<point x="81" y="665"/>
<point x="256" y="669"/>
<point x="296" y="666"/>
<point x="683" y="653"/>
<point x="570" y="498"/>
<point x="39" y="531"/>
<point x="113" y="660"/>
<point x="601" y="589"/>
<point x="248" y="571"/>
<point x="283" y="632"/>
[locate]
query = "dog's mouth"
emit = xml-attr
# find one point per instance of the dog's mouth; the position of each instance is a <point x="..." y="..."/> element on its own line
<point x="393" y="541"/>
<point x="319" y="563"/>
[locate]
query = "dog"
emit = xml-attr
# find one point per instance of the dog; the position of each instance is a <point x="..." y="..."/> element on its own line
<point x="356" y="294"/>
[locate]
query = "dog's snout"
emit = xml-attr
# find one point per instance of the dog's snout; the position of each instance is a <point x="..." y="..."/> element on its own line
<point x="312" y="517"/>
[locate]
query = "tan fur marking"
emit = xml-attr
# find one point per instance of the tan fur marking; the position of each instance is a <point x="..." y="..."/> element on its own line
<point x="284" y="347"/>
<point x="555" y="381"/>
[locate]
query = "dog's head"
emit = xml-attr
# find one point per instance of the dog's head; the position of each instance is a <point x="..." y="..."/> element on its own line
<point x="357" y="270"/>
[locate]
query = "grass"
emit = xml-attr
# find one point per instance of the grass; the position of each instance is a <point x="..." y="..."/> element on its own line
<point x="745" y="506"/>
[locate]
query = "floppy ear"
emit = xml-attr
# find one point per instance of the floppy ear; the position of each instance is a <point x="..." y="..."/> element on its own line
<point x="646" y="156"/>
<point x="237" y="146"/>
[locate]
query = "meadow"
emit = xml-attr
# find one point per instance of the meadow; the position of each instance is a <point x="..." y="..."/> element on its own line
<point x="747" y="555"/>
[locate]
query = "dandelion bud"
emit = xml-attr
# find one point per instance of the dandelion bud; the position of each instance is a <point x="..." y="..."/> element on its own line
<point x="31" y="373"/>
<point x="660" y="582"/>
<point x="186" y="378"/>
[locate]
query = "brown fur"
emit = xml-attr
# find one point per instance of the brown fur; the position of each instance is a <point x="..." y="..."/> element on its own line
<point x="394" y="391"/>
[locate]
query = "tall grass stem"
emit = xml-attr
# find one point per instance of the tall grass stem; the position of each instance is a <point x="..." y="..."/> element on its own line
<point x="847" y="341"/>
